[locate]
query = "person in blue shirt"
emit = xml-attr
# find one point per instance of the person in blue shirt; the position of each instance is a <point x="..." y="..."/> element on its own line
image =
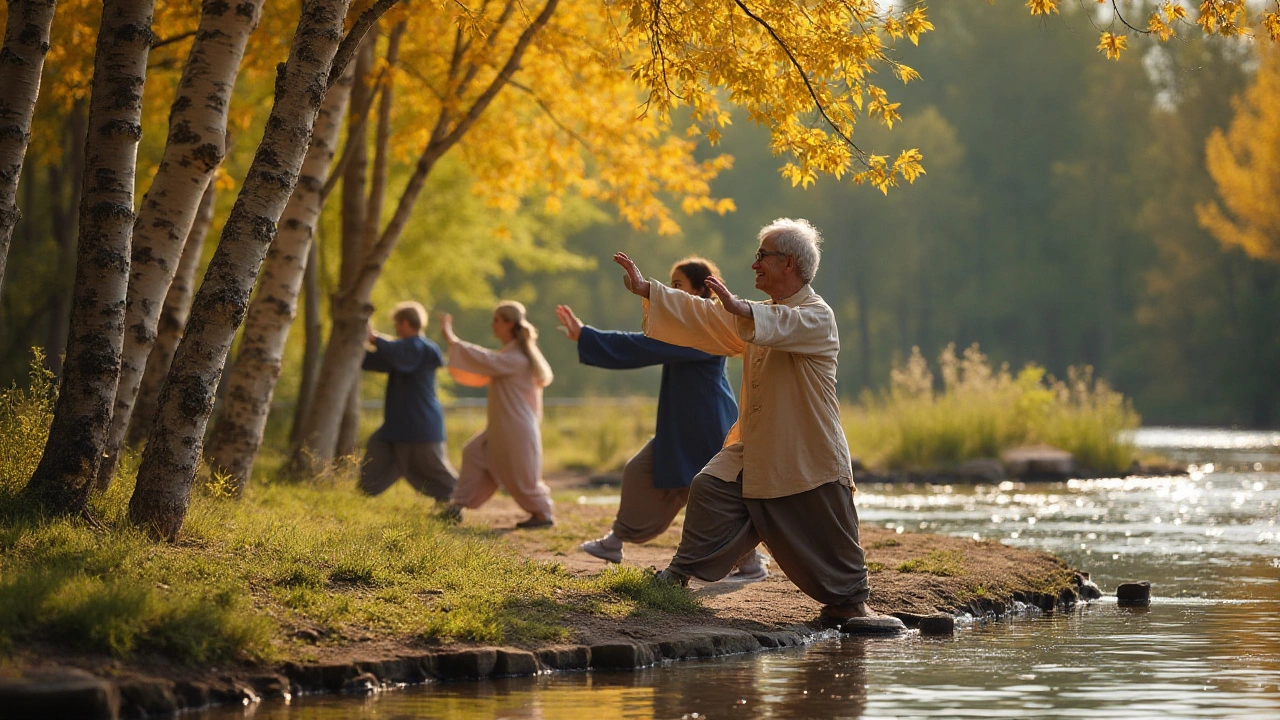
<point x="411" y="441"/>
<point x="695" y="411"/>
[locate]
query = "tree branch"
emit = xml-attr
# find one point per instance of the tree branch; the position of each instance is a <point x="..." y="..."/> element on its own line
<point x="347" y="48"/>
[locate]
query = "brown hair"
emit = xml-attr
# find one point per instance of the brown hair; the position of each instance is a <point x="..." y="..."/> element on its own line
<point x="697" y="269"/>
<point x="411" y="312"/>
<point x="526" y="337"/>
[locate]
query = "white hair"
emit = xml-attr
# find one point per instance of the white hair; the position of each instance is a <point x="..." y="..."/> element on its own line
<point x="799" y="239"/>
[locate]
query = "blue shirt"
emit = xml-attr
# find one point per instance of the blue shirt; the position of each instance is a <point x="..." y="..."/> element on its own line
<point x="411" y="413"/>
<point x="695" y="404"/>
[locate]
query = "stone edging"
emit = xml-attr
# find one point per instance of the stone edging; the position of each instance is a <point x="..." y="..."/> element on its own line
<point x="64" y="692"/>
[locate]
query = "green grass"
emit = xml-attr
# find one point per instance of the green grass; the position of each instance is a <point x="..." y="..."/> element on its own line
<point x="944" y="563"/>
<point x="247" y="573"/>
<point x="980" y="411"/>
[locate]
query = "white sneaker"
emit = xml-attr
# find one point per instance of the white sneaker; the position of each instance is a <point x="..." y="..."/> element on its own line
<point x="597" y="548"/>
<point x="754" y="567"/>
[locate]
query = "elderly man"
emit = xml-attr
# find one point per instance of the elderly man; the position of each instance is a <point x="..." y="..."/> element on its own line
<point x="411" y="441"/>
<point x="784" y="476"/>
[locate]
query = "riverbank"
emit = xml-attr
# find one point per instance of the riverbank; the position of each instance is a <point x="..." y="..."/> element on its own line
<point x="319" y="589"/>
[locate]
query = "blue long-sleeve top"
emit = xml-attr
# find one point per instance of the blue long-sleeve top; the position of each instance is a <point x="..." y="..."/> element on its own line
<point x="695" y="404"/>
<point x="411" y="413"/>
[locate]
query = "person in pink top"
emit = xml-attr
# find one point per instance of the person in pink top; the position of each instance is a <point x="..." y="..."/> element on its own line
<point x="507" y="454"/>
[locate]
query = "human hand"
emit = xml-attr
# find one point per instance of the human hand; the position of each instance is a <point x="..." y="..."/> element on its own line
<point x="570" y="325"/>
<point x="446" y="328"/>
<point x="633" y="280"/>
<point x="741" y="308"/>
<point x="369" y="334"/>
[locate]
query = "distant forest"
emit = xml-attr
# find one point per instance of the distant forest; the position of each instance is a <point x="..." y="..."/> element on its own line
<point x="1056" y="225"/>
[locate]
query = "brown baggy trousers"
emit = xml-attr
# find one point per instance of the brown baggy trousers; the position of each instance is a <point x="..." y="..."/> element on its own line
<point x="813" y="535"/>
<point x="644" y="511"/>
<point x="424" y="465"/>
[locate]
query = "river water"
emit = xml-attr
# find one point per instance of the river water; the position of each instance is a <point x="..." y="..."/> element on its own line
<point x="1208" y="646"/>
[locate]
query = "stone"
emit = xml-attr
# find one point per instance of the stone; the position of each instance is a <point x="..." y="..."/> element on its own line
<point x="271" y="686"/>
<point x="1135" y="594"/>
<point x="59" y="693"/>
<point x="146" y="697"/>
<point x="565" y="657"/>
<point x="874" y="625"/>
<point x="911" y="620"/>
<point x="987" y="470"/>
<point x="468" y="664"/>
<point x="621" y="656"/>
<point x="307" y="635"/>
<point x="940" y="624"/>
<point x="362" y="684"/>
<point x="515" y="662"/>
<point x="1039" y="462"/>
<point x="1085" y="588"/>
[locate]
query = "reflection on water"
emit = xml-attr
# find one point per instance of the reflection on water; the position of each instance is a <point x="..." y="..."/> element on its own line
<point x="1209" y="646"/>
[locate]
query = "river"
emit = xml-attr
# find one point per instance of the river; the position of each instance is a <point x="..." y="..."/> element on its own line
<point x="1207" y="647"/>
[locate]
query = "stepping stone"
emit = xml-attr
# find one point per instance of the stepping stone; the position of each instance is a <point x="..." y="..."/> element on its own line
<point x="1136" y="594"/>
<point x="876" y="625"/>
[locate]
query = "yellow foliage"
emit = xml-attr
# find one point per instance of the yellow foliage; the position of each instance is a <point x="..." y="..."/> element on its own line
<point x="1245" y="165"/>
<point x="1112" y="45"/>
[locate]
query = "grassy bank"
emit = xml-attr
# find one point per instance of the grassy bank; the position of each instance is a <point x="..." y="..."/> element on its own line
<point x="249" y="574"/>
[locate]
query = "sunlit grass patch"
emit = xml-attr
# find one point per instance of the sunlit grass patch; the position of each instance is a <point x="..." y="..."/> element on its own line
<point x="944" y="563"/>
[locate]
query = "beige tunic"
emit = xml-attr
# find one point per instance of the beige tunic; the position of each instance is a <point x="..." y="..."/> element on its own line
<point x="788" y="438"/>
<point x="508" y="452"/>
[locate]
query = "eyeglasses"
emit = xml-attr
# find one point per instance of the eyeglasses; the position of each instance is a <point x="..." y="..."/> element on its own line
<point x="762" y="254"/>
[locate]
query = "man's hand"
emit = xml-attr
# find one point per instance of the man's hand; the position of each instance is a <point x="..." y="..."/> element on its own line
<point x="741" y="308"/>
<point x="446" y="328"/>
<point x="570" y="325"/>
<point x="633" y="280"/>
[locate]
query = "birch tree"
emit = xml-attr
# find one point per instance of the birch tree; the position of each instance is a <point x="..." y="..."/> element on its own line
<point x="251" y="378"/>
<point x="26" y="42"/>
<point x="63" y="479"/>
<point x="195" y="147"/>
<point x="172" y="454"/>
<point x="173" y="318"/>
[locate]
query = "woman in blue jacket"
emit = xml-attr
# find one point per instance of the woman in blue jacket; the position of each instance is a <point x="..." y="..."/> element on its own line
<point x="695" y="411"/>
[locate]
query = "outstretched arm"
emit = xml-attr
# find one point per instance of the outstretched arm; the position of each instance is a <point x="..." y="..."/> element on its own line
<point x="633" y="280"/>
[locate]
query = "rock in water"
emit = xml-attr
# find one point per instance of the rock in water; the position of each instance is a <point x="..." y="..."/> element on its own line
<point x="1136" y="594"/>
<point x="940" y="624"/>
<point x="1085" y="587"/>
<point x="874" y="625"/>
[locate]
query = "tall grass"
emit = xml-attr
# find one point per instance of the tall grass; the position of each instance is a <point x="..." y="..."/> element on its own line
<point x="975" y="410"/>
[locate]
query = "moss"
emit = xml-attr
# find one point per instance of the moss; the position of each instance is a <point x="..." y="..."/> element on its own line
<point x="945" y="563"/>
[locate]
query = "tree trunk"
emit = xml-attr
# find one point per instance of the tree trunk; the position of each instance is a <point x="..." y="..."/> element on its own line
<point x="351" y="308"/>
<point x="26" y="42"/>
<point x="196" y="145"/>
<point x="63" y="479"/>
<point x="354" y="221"/>
<point x="251" y="381"/>
<point x="172" y="454"/>
<point x="311" y="325"/>
<point x="173" y="318"/>
<point x="65" y="184"/>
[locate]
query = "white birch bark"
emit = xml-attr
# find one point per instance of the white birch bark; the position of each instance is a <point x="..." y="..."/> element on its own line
<point x="63" y="479"/>
<point x="26" y="43"/>
<point x="192" y="153"/>
<point x="251" y="380"/>
<point x="173" y="318"/>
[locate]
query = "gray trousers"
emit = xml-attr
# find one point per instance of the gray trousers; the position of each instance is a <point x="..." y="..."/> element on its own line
<point x="424" y="465"/>
<point x="812" y="535"/>
<point x="644" y="511"/>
